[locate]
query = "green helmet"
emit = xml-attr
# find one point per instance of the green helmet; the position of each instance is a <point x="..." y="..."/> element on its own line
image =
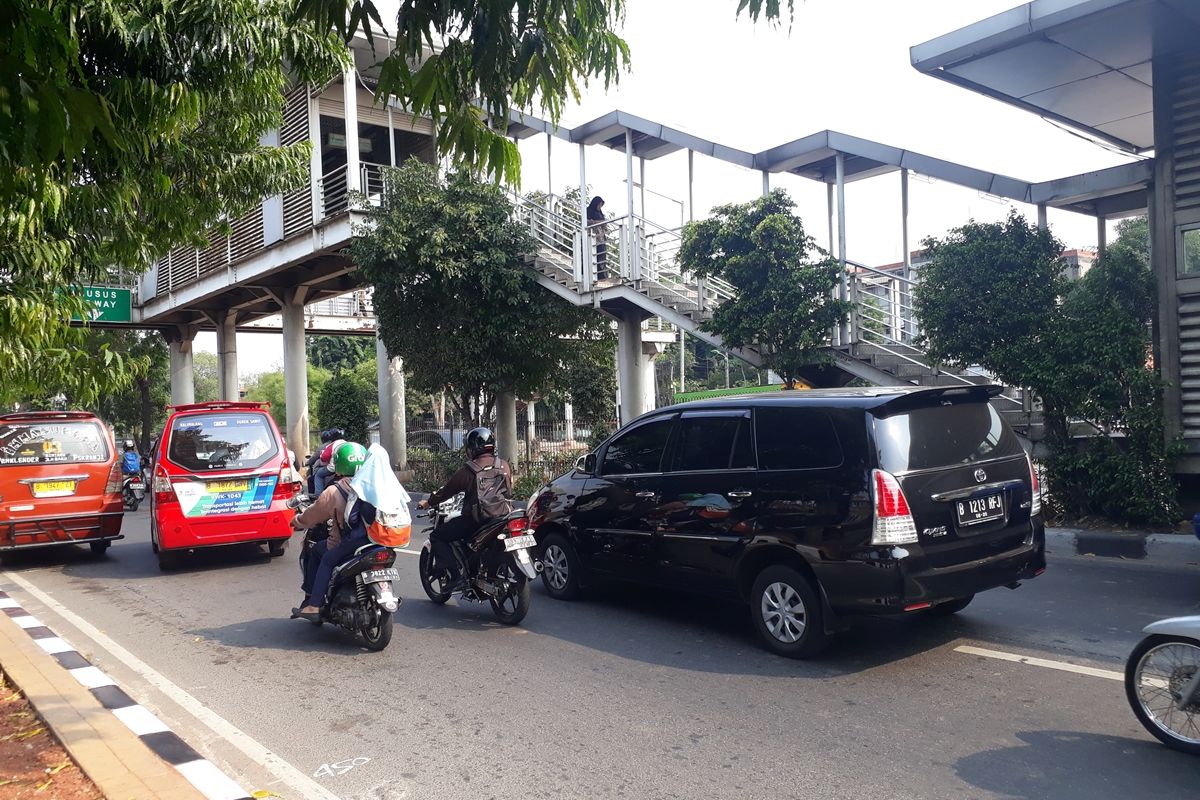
<point x="348" y="458"/>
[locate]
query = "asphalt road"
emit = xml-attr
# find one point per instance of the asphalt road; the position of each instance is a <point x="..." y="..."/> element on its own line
<point x="631" y="693"/>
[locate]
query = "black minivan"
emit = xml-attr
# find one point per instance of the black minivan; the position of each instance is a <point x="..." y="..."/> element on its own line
<point x="810" y="505"/>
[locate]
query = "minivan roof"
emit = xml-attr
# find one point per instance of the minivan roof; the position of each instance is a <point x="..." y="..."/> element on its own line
<point x="222" y="405"/>
<point x="868" y="397"/>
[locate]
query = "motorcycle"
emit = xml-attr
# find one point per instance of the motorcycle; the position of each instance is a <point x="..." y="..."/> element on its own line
<point x="495" y="564"/>
<point x="1162" y="682"/>
<point x="360" y="597"/>
<point x="133" y="490"/>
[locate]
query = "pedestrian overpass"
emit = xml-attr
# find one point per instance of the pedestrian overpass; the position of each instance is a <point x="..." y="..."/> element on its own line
<point x="289" y="254"/>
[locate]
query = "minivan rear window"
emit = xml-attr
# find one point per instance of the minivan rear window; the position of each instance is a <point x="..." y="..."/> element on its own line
<point x="75" y="442"/>
<point x="943" y="436"/>
<point x="201" y="442"/>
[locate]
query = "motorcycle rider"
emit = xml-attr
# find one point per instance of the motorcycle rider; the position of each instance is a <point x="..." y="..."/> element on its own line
<point x="131" y="462"/>
<point x="343" y="539"/>
<point x="316" y="462"/>
<point x="481" y="458"/>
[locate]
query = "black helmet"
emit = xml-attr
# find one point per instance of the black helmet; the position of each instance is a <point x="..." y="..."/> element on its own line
<point x="332" y="435"/>
<point x="480" y="441"/>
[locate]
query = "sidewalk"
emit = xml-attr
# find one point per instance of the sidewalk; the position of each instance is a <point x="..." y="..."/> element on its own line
<point x="1161" y="548"/>
<point x="121" y="746"/>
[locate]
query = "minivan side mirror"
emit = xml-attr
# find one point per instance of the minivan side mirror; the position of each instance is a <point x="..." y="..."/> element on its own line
<point x="587" y="464"/>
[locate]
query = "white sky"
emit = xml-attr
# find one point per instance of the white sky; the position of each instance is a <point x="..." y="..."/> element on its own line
<point x="843" y="66"/>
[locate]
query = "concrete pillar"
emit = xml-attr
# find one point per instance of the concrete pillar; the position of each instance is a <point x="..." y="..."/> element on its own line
<point x="569" y="420"/>
<point x="397" y="445"/>
<point x="227" y="369"/>
<point x="295" y="372"/>
<point x="383" y="394"/>
<point x="1101" y="235"/>
<point x="530" y="426"/>
<point x="1042" y="223"/>
<point x="506" y="427"/>
<point x="649" y="384"/>
<point x="840" y="179"/>
<point x="183" y="380"/>
<point x="350" y="98"/>
<point x="630" y="375"/>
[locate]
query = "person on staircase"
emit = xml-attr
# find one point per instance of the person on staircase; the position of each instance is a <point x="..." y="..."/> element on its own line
<point x="597" y="225"/>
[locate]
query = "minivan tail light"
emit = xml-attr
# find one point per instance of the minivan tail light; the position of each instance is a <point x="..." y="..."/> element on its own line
<point x="115" y="479"/>
<point x="289" y="482"/>
<point x="1035" y="487"/>
<point x="164" y="492"/>
<point x="893" y="520"/>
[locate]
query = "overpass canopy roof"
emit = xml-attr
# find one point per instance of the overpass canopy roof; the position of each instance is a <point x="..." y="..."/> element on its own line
<point x="1086" y="63"/>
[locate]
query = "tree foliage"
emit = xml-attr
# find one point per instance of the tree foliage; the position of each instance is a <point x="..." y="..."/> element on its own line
<point x="206" y="376"/>
<point x="344" y="403"/>
<point x="986" y="295"/>
<point x="468" y="63"/>
<point x="128" y="128"/>
<point x="783" y="281"/>
<point x="339" y="352"/>
<point x="453" y="296"/>
<point x="992" y="295"/>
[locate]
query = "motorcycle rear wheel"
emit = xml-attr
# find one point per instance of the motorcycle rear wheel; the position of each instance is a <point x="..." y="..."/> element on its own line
<point x="378" y="636"/>
<point x="513" y="607"/>
<point x="1157" y="669"/>
<point x="434" y="586"/>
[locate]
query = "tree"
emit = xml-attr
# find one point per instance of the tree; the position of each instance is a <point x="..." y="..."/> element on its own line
<point x="339" y="352"/>
<point x="270" y="387"/>
<point x="344" y="403"/>
<point x="206" y="373"/>
<point x="453" y="295"/>
<point x="126" y="129"/>
<point x="467" y="63"/>
<point x="987" y="296"/>
<point x="783" y="304"/>
<point x="141" y="407"/>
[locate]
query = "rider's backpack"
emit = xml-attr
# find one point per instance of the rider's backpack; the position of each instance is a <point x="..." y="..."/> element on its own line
<point x="491" y="492"/>
<point x="130" y="462"/>
<point x="388" y="530"/>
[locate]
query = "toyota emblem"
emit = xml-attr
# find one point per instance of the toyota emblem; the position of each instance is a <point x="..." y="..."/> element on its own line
<point x="980" y="475"/>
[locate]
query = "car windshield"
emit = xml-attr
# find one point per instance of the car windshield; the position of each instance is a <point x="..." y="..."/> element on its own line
<point x="80" y="442"/>
<point x="202" y="442"/>
<point x="943" y="436"/>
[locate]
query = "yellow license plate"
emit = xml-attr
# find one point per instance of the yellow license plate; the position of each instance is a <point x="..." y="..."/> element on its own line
<point x="219" y="487"/>
<point x="41" y="488"/>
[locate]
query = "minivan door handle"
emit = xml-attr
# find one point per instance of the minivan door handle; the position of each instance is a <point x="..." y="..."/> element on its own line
<point x="740" y="494"/>
<point x="646" y="495"/>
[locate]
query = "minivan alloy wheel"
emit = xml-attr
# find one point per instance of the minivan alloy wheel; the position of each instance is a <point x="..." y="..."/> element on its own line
<point x="554" y="564"/>
<point x="783" y="612"/>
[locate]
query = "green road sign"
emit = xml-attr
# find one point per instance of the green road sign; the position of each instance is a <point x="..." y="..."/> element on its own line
<point x="109" y="304"/>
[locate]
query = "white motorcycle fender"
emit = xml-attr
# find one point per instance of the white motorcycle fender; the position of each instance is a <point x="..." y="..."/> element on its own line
<point x="1187" y="627"/>
<point x="384" y="595"/>
<point x="525" y="563"/>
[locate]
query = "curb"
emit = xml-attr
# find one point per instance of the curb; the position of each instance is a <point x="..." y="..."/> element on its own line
<point x="1165" y="548"/>
<point x="207" y="779"/>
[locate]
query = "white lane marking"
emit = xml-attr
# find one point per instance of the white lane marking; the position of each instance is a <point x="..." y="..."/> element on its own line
<point x="1042" y="662"/>
<point x="54" y="645"/>
<point x="92" y="677"/>
<point x="139" y="720"/>
<point x="212" y="783"/>
<point x="297" y="782"/>
<point x="27" y="622"/>
<point x="8" y="602"/>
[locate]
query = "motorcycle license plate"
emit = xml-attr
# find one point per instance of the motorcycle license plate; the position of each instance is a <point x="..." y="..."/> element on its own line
<point x="53" y="488"/>
<point x="136" y="485"/>
<point x="519" y="542"/>
<point x="381" y="575"/>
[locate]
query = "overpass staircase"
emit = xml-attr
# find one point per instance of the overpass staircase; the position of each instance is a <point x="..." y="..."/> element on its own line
<point x="876" y="345"/>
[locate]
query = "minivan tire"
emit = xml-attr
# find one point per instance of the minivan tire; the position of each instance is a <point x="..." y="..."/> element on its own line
<point x="277" y="548"/>
<point x="560" y="568"/>
<point x="99" y="548"/>
<point x="167" y="560"/>
<point x="784" y="589"/>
